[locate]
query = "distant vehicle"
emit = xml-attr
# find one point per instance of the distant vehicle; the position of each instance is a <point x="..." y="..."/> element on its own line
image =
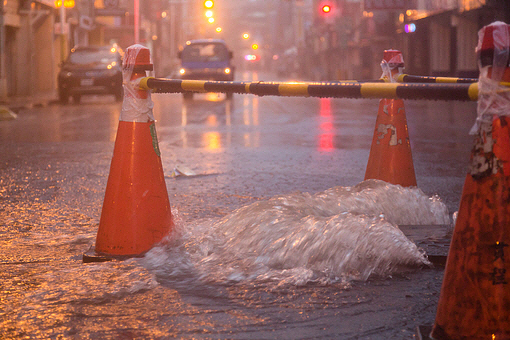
<point x="206" y="59"/>
<point x="91" y="70"/>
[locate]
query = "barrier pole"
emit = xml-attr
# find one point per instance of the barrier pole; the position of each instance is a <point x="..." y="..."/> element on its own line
<point x="347" y="89"/>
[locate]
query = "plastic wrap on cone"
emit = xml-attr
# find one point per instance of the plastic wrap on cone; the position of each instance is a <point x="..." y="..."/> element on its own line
<point x="390" y="156"/>
<point x="392" y="65"/>
<point x="136" y="210"/>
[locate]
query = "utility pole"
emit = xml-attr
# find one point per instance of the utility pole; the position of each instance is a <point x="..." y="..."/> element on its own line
<point x="63" y="42"/>
<point x="3" y="78"/>
<point x="136" y="13"/>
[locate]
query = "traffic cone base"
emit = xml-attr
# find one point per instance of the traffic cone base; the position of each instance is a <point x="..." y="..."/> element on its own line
<point x="136" y="211"/>
<point x="475" y="295"/>
<point x="390" y="156"/>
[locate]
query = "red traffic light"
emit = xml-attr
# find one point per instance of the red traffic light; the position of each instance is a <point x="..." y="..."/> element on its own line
<point x="326" y="9"/>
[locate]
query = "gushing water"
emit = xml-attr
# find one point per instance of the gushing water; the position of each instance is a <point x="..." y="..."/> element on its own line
<point x="341" y="234"/>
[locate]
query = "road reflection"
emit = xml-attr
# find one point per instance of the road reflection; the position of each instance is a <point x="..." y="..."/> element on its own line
<point x="326" y="129"/>
<point x="220" y="119"/>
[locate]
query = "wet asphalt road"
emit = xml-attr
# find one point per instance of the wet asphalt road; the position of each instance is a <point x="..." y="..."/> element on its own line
<point x="54" y="164"/>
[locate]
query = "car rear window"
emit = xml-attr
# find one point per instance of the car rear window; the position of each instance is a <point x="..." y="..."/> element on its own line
<point x="205" y="52"/>
<point x="88" y="56"/>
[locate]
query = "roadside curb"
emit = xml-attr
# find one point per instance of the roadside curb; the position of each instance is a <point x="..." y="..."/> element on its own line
<point x="18" y="103"/>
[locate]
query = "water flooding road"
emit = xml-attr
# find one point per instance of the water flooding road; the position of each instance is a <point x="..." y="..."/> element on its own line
<point x="53" y="171"/>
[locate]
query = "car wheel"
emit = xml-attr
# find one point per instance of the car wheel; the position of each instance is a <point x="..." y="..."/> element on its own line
<point x="63" y="97"/>
<point x="187" y="95"/>
<point x="230" y="95"/>
<point x="76" y="98"/>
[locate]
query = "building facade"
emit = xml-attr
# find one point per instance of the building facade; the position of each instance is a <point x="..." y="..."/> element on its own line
<point x="36" y="36"/>
<point x="29" y="47"/>
<point x="436" y="37"/>
<point x="446" y="34"/>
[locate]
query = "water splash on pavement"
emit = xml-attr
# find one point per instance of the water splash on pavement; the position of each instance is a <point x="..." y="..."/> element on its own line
<point x="339" y="235"/>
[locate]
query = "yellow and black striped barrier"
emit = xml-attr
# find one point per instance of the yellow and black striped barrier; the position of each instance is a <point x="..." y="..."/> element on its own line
<point x="407" y="78"/>
<point x="412" y="91"/>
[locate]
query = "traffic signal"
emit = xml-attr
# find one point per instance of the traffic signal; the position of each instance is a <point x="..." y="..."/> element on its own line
<point x="329" y="9"/>
<point x="209" y="4"/>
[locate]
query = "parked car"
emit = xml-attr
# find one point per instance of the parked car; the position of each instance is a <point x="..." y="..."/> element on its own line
<point x="91" y="70"/>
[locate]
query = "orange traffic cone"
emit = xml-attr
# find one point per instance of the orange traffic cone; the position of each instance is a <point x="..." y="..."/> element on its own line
<point x="475" y="294"/>
<point x="136" y="210"/>
<point x="390" y="156"/>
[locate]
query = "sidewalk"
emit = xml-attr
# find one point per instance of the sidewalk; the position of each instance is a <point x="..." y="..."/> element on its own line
<point x="41" y="99"/>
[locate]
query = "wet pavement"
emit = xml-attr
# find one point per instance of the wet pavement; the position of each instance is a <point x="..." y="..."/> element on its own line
<point x="54" y="165"/>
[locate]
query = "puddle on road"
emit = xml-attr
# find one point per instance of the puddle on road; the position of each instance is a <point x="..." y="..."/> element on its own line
<point x="339" y="235"/>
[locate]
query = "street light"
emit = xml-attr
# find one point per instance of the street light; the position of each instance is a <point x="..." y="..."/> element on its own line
<point x="326" y="9"/>
<point x="209" y="4"/>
